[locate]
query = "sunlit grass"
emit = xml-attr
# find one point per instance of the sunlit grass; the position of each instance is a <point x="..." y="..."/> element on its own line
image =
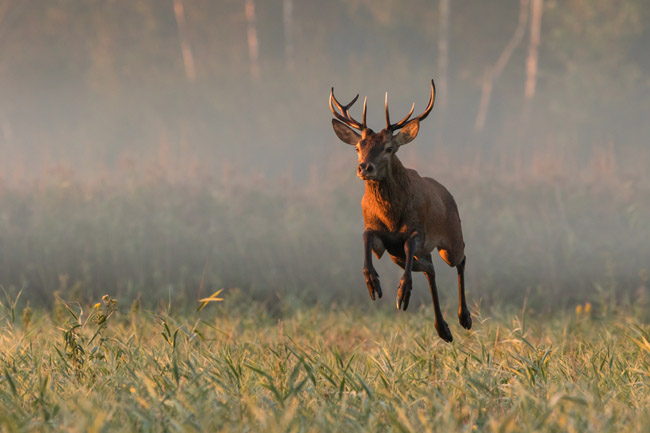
<point x="235" y="368"/>
<point x="279" y="354"/>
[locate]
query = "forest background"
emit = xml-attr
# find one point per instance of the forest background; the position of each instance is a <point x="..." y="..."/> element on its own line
<point x="173" y="148"/>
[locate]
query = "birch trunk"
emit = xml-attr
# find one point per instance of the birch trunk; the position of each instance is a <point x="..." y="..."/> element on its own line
<point x="443" y="52"/>
<point x="493" y="73"/>
<point x="253" y="46"/>
<point x="186" y="49"/>
<point x="537" y="8"/>
<point x="287" y="14"/>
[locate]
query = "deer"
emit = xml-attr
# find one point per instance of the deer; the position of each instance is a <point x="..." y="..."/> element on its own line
<point x="404" y="214"/>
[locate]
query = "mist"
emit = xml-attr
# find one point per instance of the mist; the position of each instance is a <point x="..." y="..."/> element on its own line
<point x="169" y="149"/>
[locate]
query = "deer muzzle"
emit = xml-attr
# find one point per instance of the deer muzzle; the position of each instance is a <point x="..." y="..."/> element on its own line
<point x="366" y="170"/>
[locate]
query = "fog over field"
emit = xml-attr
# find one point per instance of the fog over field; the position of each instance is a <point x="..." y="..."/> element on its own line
<point x="164" y="150"/>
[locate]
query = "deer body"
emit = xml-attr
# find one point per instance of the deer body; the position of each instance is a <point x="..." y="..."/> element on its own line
<point x="405" y="214"/>
<point x="407" y="203"/>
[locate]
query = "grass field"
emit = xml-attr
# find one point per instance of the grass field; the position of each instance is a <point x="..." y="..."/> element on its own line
<point x="233" y="367"/>
<point x="559" y="241"/>
<point x="557" y="276"/>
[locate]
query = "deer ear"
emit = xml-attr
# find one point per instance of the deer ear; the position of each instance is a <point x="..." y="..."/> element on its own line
<point x="408" y="133"/>
<point x="345" y="133"/>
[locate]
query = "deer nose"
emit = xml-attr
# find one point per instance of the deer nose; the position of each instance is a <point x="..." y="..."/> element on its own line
<point x="366" y="168"/>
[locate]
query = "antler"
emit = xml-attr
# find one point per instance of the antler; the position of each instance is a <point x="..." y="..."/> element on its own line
<point x="345" y="112"/>
<point x="404" y="121"/>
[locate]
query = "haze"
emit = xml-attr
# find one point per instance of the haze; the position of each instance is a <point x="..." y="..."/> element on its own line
<point x="172" y="148"/>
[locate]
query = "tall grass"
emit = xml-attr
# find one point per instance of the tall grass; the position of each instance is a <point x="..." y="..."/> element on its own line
<point x="296" y="346"/>
<point x="235" y="368"/>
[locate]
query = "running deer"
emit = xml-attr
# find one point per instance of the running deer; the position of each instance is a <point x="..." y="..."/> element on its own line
<point x="405" y="214"/>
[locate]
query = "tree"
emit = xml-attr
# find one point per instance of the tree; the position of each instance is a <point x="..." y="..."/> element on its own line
<point x="493" y="73"/>
<point x="186" y="49"/>
<point x="253" y="45"/>
<point x="537" y="7"/>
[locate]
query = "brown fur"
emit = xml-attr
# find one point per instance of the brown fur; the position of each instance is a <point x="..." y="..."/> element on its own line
<point x="404" y="203"/>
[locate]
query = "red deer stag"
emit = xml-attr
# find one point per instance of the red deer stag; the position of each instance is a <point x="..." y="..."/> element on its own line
<point x="405" y="214"/>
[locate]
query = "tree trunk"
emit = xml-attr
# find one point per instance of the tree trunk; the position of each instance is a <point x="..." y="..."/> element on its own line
<point x="537" y="7"/>
<point x="253" y="46"/>
<point x="493" y="73"/>
<point x="287" y="13"/>
<point x="6" y="134"/>
<point x="443" y="53"/>
<point x="186" y="49"/>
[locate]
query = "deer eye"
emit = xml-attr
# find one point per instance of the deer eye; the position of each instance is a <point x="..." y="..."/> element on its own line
<point x="389" y="149"/>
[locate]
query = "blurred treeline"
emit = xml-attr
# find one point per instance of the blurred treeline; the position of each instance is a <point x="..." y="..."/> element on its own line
<point x="555" y="243"/>
<point x="167" y="149"/>
<point x="206" y="83"/>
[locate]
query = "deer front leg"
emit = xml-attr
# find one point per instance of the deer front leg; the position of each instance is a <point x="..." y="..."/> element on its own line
<point x="406" y="283"/>
<point x="371" y="241"/>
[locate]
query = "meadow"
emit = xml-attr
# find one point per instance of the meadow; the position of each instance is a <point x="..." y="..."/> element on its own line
<point x="234" y="367"/>
<point x="100" y="328"/>
<point x="181" y="233"/>
<point x="138" y="232"/>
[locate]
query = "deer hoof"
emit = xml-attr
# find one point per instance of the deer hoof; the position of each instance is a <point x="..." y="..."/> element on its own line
<point x="404" y="293"/>
<point x="443" y="331"/>
<point x="372" y="281"/>
<point x="465" y="319"/>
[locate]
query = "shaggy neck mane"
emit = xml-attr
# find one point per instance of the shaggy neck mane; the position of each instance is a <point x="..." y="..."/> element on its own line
<point x="390" y="193"/>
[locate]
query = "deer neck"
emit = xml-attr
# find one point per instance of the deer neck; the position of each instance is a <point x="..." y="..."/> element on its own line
<point x="391" y="193"/>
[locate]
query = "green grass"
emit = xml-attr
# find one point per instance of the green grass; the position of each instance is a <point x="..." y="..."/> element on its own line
<point x="233" y="367"/>
<point x="280" y="353"/>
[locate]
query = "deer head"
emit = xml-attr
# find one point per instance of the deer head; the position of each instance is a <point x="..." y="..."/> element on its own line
<point x="376" y="150"/>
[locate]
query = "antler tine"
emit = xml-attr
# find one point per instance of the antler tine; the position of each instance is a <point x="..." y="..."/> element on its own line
<point x="432" y="98"/>
<point x="365" y="105"/>
<point x="399" y="124"/>
<point x="405" y="120"/>
<point x="386" y="108"/>
<point x="345" y="112"/>
<point x="345" y="108"/>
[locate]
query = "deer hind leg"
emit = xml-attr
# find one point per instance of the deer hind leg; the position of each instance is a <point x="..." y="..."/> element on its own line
<point x="453" y="259"/>
<point x="464" y="317"/>
<point x="440" y="324"/>
<point x="420" y="264"/>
